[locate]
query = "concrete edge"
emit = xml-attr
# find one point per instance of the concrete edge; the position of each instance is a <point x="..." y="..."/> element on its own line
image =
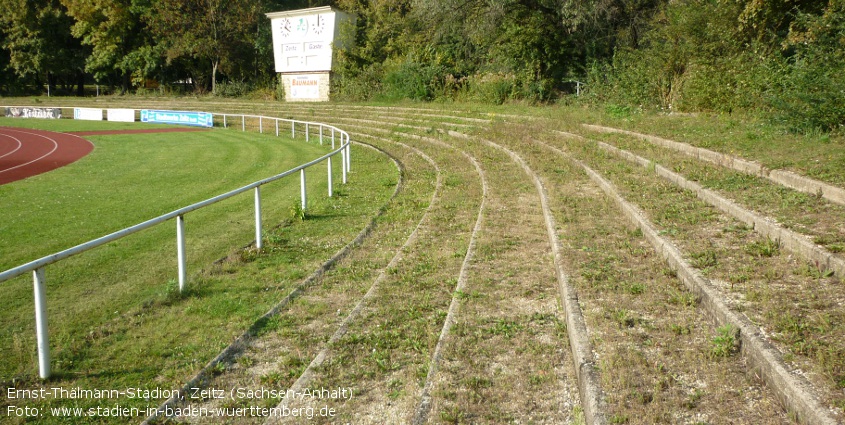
<point x="238" y="345"/>
<point x="789" y="179"/>
<point x="793" y="391"/>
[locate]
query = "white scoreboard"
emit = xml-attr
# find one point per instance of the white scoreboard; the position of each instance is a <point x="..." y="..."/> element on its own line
<point x="303" y="39"/>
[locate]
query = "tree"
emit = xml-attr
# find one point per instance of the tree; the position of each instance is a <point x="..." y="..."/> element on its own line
<point x="530" y="41"/>
<point x="120" y="43"/>
<point x="38" y="39"/>
<point x="213" y="32"/>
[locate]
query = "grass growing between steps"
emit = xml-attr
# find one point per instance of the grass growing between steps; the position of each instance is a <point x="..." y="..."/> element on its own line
<point x="792" y="301"/>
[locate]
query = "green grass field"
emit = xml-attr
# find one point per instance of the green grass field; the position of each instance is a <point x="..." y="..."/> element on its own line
<point x="131" y="178"/>
<point x="116" y="318"/>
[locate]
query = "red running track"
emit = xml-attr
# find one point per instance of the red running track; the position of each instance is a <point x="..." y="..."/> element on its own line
<point x="25" y="153"/>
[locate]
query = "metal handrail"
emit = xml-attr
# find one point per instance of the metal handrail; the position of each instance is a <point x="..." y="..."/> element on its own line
<point x="37" y="266"/>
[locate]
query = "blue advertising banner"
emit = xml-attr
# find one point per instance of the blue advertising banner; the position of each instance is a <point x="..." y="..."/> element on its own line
<point x="200" y="119"/>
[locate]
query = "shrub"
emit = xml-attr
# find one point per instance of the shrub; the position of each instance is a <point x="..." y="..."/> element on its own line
<point x="353" y="84"/>
<point x="491" y="88"/>
<point x="232" y="89"/>
<point x="415" y="81"/>
<point x="813" y="96"/>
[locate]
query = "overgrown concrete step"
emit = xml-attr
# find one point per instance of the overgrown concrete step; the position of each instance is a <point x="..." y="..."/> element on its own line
<point x="791" y="240"/>
<point x="518" y="144"/>
<point x="387" y="117"/>
<point x="369" y="127"/>
<point x="593" y="414"/>
<point x="381" y="119"/>
<point x="380" y="122"/>
<point x="307" y="377"/>
<point x="394" y="113"/>
<point x="657" y="357"/>
<point x="786" y="178"/>
<point x="268" y="350"/>
<point x="794" y="391"/>
<point x="423" y="112"/>
<point x="589" y="383"/>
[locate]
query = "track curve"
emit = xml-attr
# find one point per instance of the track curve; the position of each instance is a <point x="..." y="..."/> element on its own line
<point x="25" y="153"/>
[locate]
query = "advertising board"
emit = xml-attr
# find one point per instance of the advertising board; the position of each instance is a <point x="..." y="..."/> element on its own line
<point x="305" y="87"/>
<point x="121" y="115"/>
<point x="88" y="114"/>
<point x="28" y="112"/>
<point x="199" y="119"/>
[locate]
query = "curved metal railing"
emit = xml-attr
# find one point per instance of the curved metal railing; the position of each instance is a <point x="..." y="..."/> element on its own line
<point x="37" y="266"/>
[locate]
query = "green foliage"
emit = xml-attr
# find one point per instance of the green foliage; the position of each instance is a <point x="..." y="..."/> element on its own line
<point x="279" y="93"/>
<point x="38" y="43"/>
<point x="726" y="341"/>
<point x="215" y="33"/>
<point x="763" y="248"/>
<point x="684" y="61"/>
<point x="709" y="55"/>
<point x="233" y="89"/>
<point x="118" y="39"/>
<point x="726" y="84"/>
<point x="492" y="88"/>
<point x="781" y="58"/>
<point x="354" y="81"/>
<point x="415" y="81"/>
<point x="811" y="96"/>
<point x="296" y="211"/>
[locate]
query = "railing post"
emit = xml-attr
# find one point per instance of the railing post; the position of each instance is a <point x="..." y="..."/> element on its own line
<point x="261" y="125"/>
<point x="321" y="134"/>
<point x="243" y="122"/>
<point x="306" y="132"/>
<point x="258" y="242"/>
<point x="277" y="127"/>
<point x="180" y="251"/>
<point x="41" y="323"/>
<point x="332" y="138"/>
<point x="343" y="163"/>
<point x="302" y="193"/>
<point x="348" y="154"/>
<point x="293" y="129"/>
<point x="330" y="176"/>
<point x="224" y="121"/>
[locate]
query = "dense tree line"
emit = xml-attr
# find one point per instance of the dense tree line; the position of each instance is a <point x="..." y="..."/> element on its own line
<point x="786" y="57"/>
<point x="134" y="44"/>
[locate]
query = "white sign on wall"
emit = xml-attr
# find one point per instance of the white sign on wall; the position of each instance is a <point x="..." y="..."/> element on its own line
<point x="305" y="87"/>
<point x="88" y="114"/>
<point x="121" y="115"/>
